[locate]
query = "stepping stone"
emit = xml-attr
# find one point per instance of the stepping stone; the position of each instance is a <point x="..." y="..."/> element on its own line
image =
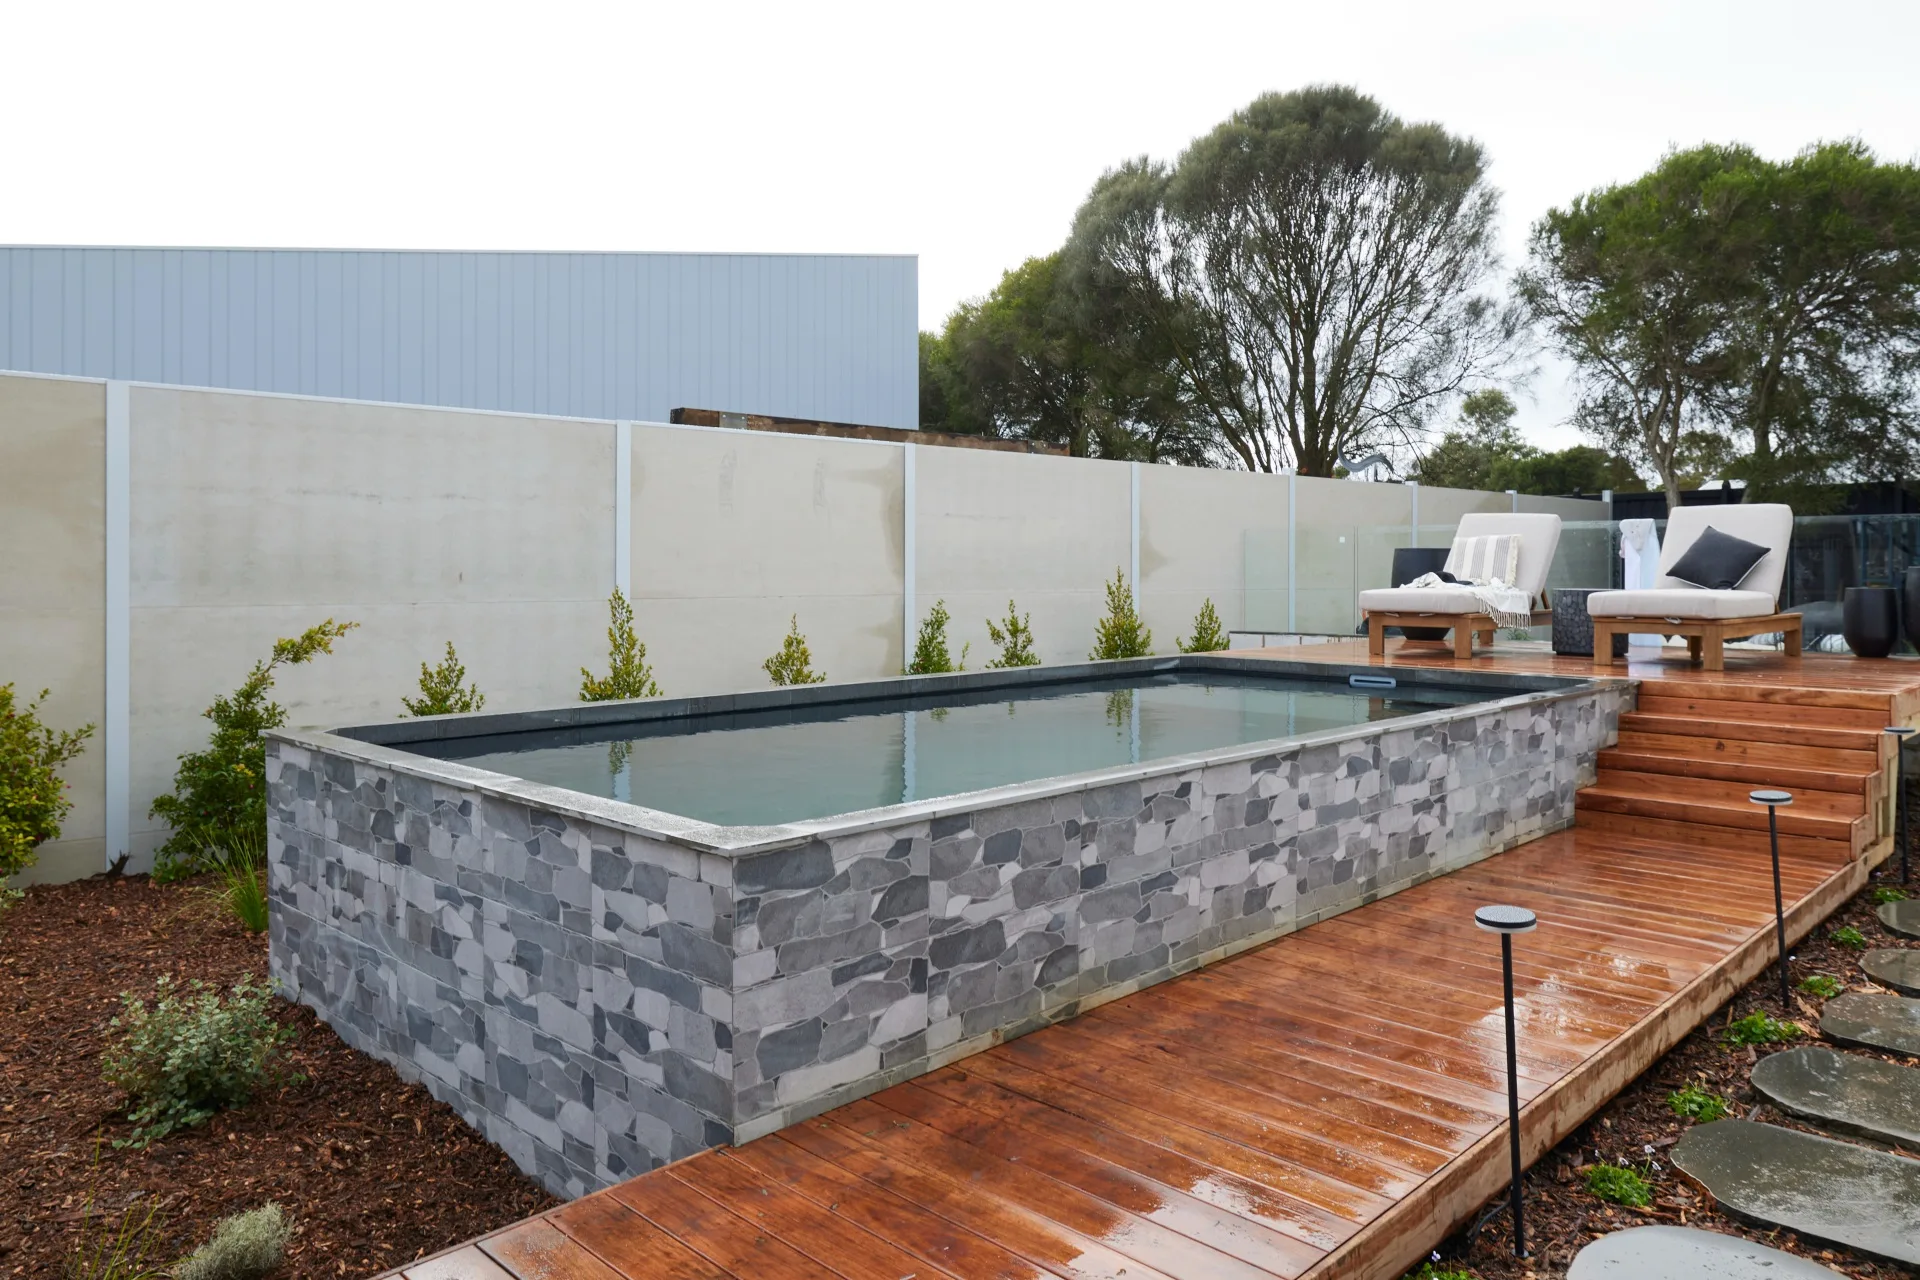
<point x="1875" y="1099"/>
<point x="1681" y="1253"/>
<point x="1873" y="1021"/>
<point x="1903" y="917"/>
<point x="1896" y="967"/>
<point x="1851" y="1196"/>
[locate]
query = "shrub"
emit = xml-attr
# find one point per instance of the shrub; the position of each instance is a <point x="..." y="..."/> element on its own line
<point x="1888" y="893"/>
<point x="1120" y="634"/>
<point x="440" y="691"/>
<point x="793" y="664"/>
<point x="1759" y="1028"/>
<point x="191" y="1054"/>
<point x="1618" y="1184"/>
<point x="224" y="788"/>
<point x="628" y="675"/>
<point x="239" y="858"/>
<point x="1695" y="1103"/>
<point x="33" y="798"/>
<point x="9" y="899"/>
<point x="1820" y="985"/>
<point x="1015" y="639"/>
<point x="1432" y="1270"/>
<point x="1849" y="937"/>
<point x="1208" y="635"/>
<point x="243" y="1247"/>
<point x="931" y="656"/>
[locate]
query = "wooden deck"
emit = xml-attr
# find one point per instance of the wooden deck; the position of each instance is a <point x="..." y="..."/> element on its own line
<point x="1330" y="1104"/>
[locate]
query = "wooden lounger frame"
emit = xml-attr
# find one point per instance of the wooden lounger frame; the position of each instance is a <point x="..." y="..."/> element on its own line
<point x="1465" y="627"/>
<point x="1705" y="636"/>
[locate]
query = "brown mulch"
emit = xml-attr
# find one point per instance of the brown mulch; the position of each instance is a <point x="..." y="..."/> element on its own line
<point x="373" y="1171"/>
<point x="1562" y="1215"/>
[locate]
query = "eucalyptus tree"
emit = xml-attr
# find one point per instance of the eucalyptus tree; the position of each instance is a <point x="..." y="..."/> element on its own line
<point x="1314" y="269"/>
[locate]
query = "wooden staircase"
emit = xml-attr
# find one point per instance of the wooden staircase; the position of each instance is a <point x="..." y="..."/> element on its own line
<point x="1687" y="757"/>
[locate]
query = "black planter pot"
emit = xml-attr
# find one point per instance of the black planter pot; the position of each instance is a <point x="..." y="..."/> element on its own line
<point x="1870" y="620"/>
<point x="1408" y="564"/>
<point x="1910" y="602"/>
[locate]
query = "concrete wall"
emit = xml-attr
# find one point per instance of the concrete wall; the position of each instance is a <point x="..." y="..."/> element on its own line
<point x="253" y="516"/>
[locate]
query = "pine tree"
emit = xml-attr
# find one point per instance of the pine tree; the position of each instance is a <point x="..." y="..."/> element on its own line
<point x="1015" y="639"/>
<point x="440" y="691"/>
<point x="1120" y="634"/>
<point x="1208" y="636"/>
<point x="629" y="675"/>
<point x="930" y="654"/>
<point x="794" y="663"/>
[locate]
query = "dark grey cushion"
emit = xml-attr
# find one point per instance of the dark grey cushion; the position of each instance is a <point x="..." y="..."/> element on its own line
<point x="1717" y="561"/>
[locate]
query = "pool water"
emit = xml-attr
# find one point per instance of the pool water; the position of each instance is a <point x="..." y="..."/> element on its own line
<point x="763" y="768"/>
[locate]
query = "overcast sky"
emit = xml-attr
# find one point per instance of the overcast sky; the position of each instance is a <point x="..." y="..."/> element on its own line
<point x="965" y="134"/>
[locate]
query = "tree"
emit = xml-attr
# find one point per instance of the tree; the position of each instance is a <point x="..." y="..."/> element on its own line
<point x="1466" y="457"/>
<point x="1015" y="639"/>
<point x="1208" y="635"/>
<point x="1313" y="267"/>
<point x="441" y="693"/>
<point x="628" y="675"/>
<point x="793" y="664"/>
<point x="1580" y="468"/>
<point x="1120" y="634"/>
<point x="931" y="657"/>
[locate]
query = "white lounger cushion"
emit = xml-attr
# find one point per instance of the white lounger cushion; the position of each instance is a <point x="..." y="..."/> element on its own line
<point x="1679" y="602"/>
<point x="1420" y="600"/>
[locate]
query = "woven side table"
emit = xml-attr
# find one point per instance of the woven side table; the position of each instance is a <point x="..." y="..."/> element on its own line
<point x="1573" y="626"/>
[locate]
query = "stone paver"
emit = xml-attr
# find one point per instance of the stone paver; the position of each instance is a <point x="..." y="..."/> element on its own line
<point x="1902" y="917"/>
<point x="1848" y="1092"/>
<point x="1896" y="967"/>
<point x="1875" y="1021"/>
<point x="1682" y="1253"/>
<point x="1835" y="1191"/>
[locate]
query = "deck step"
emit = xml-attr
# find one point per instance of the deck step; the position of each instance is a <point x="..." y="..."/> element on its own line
<point x="1651" y="834"/>
<point x="1783" y="730"/>
<point x="1859" y="763"/>
<point x="1637" y="759"/>
<point x="1820" y="805"/>
<point x="1851" y="709"/>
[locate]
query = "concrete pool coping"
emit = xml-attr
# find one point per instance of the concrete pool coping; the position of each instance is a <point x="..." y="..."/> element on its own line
<point x="384" y="743"/>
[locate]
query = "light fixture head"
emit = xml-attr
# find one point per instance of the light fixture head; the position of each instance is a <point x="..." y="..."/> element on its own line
<point x="1771" y="798"/>
<point x="1505" y="919"/>
<point x="1900" y="729"/>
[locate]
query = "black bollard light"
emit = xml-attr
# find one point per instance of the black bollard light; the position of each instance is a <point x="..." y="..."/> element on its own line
<point x="1507" y="921"/>
<point x="1774" y="800"/>
<point x="1900" y="735"/>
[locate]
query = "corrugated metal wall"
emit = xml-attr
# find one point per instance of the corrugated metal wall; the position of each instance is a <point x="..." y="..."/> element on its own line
<point x="605" y="335"/>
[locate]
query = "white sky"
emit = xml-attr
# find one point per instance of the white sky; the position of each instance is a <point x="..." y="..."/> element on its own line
<point x="964" y="133"/>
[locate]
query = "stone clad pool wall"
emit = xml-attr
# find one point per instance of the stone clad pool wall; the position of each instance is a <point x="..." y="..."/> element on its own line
<point x="599" y="1000"/>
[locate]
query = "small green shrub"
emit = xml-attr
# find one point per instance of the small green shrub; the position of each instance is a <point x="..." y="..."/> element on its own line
<point x="1849" y="937"/>
<point x="113" y="1248"/>
<point x="1120" y="634"/>
<point x="224" y="788"/>
<point x="1888" y="893"/>
<point x="1433" y="1270"/>
<point x="191" y="1054"/>
<point x="243" y="1247"/>
<point x="628" y="675"/>
<point x="441" y="693"/>
<point x="1759" y="1028"/>
<point x="931" y="657"/>
<point x="1208" y="635"/>
<point x="33" y="796"/>
<point x="9" y="899"/>
<point x="1695" y="1103"/>
<point x="1015" y="639"/>
<point x="1618" y="1184"/>
<point x="793" y="664"/>
<point x="239" y="858"/>
<point x="1821" y="986"/>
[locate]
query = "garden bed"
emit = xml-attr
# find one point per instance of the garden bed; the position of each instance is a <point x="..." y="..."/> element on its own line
<point x="1562" y="1214"/>
<point x="373" y="1171"/>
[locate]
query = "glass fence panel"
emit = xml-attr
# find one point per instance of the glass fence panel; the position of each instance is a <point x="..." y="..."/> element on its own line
<point x="1326" y="568"/>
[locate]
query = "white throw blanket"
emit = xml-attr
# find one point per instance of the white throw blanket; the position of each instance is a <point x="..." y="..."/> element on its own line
<point x="1508" y="606"/>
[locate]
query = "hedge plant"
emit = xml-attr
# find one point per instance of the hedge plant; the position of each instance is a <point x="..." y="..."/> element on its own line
<point x="1015" y="638"/>
<point x="1208" y="635"/>
<point x="931" y="656"/>
<point x="793" y="663"/>
<point x="33" y="796"/>
<point x="441" y="689"/>
<point x="628" y="675"/>
<point x="1121" y="634"/>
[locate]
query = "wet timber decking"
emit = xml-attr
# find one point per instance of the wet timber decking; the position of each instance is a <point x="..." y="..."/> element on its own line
<point x="1330" y="1104"/>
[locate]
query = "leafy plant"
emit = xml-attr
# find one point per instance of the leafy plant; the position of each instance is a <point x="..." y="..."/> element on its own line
<point x="192" y="1053"/>
<point x="440" y="690"/>
<point x="1619" y="1184"/>
<point x="244" y="1246"/>
<point x="931" y="656"/>
<point x="1849" y="937"/>
<point x="1695" y="1103"/>
<point x="1120" y="634"/>
<point x="1889" y="893"/>
<point x="1759" y="1028"/>
<point x="33" y="797"/>
<point x="794" y="663"/>
<point x="225" y="786"/>
<point x="1015" y="639"/>
<point x="1432" y="1270"/>
<point x="113" y="1248"/>
<point x="628" y="675"/>
<point x="9" y="899"/>
<point x="1821" y="986"/>
<point x="1208" y="635"/>
<point x="239" y="858"/>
